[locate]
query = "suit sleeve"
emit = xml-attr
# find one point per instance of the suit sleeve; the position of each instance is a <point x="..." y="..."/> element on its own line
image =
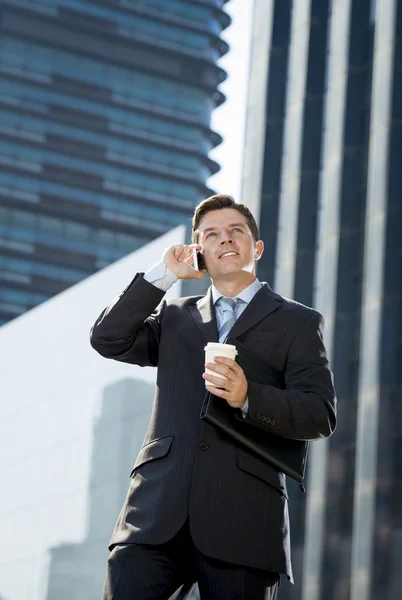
<point x="128" y="329"/>
<point x="306" y="408"/>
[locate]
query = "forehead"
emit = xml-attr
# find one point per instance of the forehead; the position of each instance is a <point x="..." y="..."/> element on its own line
<point x="221" y="218"/>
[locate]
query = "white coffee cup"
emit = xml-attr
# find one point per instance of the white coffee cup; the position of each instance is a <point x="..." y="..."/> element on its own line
<point x="213" y="349"/>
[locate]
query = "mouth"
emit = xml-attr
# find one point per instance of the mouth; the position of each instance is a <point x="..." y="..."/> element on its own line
<point x="229" y="253"/>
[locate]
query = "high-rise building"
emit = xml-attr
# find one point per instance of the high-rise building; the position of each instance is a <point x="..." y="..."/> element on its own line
<point x="105" y="132"/>
<point x="323" y="172"/>
<point x="71" y="426"/>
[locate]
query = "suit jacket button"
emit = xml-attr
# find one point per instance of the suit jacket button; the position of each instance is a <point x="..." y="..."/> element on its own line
<point x="204" y="446"/>
<point x="272" y="422"/>
<point x="262" y="418"/>
<point x="257" y="416"/>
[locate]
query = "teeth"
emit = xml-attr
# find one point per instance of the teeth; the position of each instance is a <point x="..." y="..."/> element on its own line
<point x="228" y="254"/>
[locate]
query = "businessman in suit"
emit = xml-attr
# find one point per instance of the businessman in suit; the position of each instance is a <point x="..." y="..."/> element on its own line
<point x="200" y="508"/>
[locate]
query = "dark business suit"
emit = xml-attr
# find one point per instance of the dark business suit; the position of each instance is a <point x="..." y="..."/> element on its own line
<point x="235" y="503"/>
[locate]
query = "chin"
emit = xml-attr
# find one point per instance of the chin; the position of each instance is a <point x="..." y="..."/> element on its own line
<point x="231" y="271"/>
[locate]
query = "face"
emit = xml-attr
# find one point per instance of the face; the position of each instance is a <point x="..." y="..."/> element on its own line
<point x="228" y="244"/>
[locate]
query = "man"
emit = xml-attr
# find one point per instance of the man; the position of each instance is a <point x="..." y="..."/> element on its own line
<point x="199" y="508"/>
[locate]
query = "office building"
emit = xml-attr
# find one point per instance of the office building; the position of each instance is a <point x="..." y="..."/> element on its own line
<point x="105" y="132"/>
<point x="71" y="426"/>
<point x="322" y="171"/>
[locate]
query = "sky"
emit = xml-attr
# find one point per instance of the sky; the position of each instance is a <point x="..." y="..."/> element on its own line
<point x="229" y="119"/>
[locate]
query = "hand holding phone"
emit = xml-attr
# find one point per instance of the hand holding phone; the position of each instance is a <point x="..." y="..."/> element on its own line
<point x="179" y="259"/>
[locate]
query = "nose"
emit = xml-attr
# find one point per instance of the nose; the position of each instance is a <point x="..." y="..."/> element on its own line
<point x="225" y="238"/>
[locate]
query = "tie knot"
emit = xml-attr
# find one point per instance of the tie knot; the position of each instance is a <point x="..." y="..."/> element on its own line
<point x="228" y="304"/>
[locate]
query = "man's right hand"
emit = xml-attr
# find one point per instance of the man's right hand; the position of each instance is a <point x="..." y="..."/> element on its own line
<point x="179" y="259"/>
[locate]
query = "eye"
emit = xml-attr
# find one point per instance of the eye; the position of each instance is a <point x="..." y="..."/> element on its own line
<point x="211" y="233"/>
<point x="237" y="229"/>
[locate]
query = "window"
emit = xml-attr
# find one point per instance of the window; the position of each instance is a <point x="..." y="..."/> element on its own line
<point x="183" y="9"/>
<point x="77" y="231"/>
<point x="50" y="225"/>
<point x="37" y="100"/>
<point x="32" y="268"/>
<point x="21" y="218"/>
<point x="107" y="202"/>
<point x="86" y="69"/>
<point x="22" y="298"/>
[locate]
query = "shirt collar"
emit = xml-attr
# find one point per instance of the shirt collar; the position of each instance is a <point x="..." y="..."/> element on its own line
<point x="246" y="295"/>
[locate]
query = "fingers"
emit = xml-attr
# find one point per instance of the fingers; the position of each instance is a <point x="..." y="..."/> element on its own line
<point x="219" y="381"/>
<point x="228" y="363"/>
<point x="178" y="252"/>
<point x="221" y="369"/>
<point x="229" y="375"/>
<point x="217" y="391"/>
<point x="182" y="252"/>
<point x="190" y="258"/>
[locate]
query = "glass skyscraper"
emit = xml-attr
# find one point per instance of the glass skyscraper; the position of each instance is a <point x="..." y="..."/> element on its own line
<point x="105" y="132"/>
<point x="71" y="425"/>
<point x="323" y="172"/>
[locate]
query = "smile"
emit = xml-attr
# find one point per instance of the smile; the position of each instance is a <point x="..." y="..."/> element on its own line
<point x="231" y="253"/>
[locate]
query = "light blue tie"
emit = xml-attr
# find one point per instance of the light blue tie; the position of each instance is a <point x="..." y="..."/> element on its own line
<point x="229" y="318"/>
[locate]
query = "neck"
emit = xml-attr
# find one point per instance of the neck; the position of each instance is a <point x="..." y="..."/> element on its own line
<point x="232" y="287"/>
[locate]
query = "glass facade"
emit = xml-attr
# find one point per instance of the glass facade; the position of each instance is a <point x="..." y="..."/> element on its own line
<point x="327" y="186"/>
<point x="71" y="425"/>
<point x="104" y="132"/>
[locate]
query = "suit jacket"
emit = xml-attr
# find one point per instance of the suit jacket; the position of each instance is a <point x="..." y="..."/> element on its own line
<point x="236" y="503"/>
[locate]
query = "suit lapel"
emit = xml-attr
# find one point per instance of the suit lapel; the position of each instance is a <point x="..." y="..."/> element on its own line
<point x="203" y="313"/>
<point x="264" y="303"/>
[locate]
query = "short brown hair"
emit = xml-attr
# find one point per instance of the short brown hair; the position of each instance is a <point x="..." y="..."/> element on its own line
<point x="217" y="202"/>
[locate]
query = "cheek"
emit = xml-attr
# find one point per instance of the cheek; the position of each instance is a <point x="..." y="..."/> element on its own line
<point x="208" y="260"/>
<point x="207" y="251"/>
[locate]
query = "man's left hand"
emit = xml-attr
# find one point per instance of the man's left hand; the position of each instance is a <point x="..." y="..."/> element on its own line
<point x="235" y="385"/>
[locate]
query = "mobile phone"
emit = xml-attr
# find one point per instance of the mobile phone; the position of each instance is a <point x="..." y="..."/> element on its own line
<point x="201" y="263"/>
<point x="198" y="261"/>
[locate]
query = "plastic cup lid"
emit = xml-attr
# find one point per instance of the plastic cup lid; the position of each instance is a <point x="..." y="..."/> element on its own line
<point x="222" y="347"/>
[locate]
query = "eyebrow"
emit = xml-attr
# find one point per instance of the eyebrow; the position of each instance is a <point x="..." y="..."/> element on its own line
<point x="229" y="226"/>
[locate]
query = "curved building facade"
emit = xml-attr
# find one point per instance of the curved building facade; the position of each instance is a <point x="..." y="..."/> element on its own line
<point x="105" y="132"/>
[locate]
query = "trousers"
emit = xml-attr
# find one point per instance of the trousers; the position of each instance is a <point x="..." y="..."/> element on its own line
<point x="156" y="572"/>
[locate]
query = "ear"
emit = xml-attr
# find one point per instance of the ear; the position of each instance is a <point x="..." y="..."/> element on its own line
<point x="259" y="249"/>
